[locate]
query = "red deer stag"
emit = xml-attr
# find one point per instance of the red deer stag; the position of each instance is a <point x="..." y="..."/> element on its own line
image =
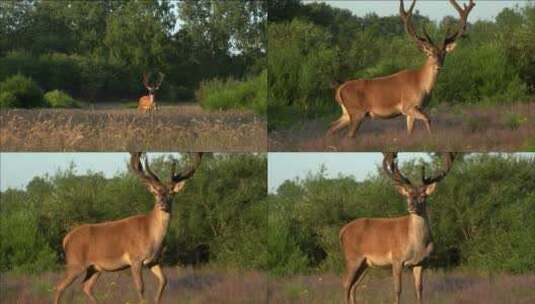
<point x="133" y="242"/>
<point x="147" y="103"/>
<point x="401" y="93"/>
<point x="399" y="241"/>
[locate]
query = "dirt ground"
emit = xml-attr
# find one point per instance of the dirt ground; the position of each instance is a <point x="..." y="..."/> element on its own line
<point x="107" y="128"/>
<point x="463" y="129"/>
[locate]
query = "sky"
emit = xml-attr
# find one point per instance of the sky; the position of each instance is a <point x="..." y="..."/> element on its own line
<point x="436" y="10"/>
<point x="17" y="169"/>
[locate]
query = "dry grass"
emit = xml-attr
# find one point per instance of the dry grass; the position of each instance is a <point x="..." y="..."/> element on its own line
<point x="185" y="127"/>
<point x="476" y="128"/>
<point x="439" y="288"/>
<point x="185" y="286"/>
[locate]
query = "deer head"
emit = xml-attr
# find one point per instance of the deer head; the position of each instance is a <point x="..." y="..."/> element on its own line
<point x="164" y="193"/>
<point x="154" y="87"/>
<point x="437" y="52"/>
<point x="416" y="194"/>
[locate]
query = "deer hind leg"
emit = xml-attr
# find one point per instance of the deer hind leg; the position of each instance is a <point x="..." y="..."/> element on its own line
<point x="410" y="124"/>
<point x="356" y="119"/>
<point x="355" y="273"/>
<point x="157" y="271"/>
<point x="396" y="273"/>
<point x="72" y="272"/>
<point x="418" y="114"/>
<point x="138" y="279"/>
<point x="342" y="122"/>
<point x="417" y="276"/>
<point x="90" y="279"/>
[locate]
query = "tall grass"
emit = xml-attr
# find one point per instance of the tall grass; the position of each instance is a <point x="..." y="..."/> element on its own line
<point x="224" y="94"/>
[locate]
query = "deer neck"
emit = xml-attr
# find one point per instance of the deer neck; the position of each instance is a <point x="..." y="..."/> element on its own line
<point x="151" y="97"/>
<point x="159" y="224"/>
<point x="419" y="229"/>
<point x="428" y="75"/>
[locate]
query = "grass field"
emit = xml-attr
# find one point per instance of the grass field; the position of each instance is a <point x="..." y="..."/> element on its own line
<point x="189" y="286"/>
<point x="467" y="128"/>
<point x="377" y="288"/>
<point x="185" y="286"/>
<point x="184" y="127"/>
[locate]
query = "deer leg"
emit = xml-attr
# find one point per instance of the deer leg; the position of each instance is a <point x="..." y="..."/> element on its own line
<point x="396" y="272"/>
<point x="417" y="272"/>
<point x="342" y="122"/>
<point x="356" y="119"/>
<point x="410" y="124"/>
<point x="418" y="114"/>
<point x="71" y="274"/>
<point x="355" y="271"/>
<point x="157" y="271"/>
<point x="138" y="279"/>
<point x="89" y="281"/>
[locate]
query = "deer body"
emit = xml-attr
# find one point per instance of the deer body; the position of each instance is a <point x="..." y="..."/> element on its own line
<point x="146" y="103"/>
<point x="132" y="242"/>
<point x="114" y="245"/>
<point x="371" y="97"/>
<point x="403" y="92"/>
<point x="406" y="240"/>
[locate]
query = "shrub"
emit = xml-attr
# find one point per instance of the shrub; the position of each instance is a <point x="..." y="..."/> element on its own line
<point x="60" y="99"/>
<point x="25" y="90"/>
<point x="8" y="100"/>
<point x="218" y="94"/>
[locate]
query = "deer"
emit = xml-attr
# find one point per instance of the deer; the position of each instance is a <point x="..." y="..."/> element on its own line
<point x="404" y="92"/>
<point x="132" y="242"/>
<point x="404" y="241"/>
<point x="147" y="103"/>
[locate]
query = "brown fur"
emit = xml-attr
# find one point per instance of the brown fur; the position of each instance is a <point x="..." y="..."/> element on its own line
<point x="145" y="104"/>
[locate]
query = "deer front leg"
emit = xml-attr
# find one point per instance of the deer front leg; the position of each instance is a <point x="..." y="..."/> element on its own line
<point x="396" y="273"/>
<point x="417" y="276"/>
<point x="138" y="279"/>
<point x="418" y="114"/>
<point x="410" y="124"/>
<point x="157" y="271"/>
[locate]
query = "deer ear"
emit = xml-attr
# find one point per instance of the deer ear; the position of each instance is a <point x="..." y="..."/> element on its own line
<point x="450" y="47"/>
<point x="402" y="190"/>
<point x="430" y="188"/>
<point x="178" y="186"/>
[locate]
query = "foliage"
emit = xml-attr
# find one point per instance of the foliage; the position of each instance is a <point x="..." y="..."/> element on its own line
<point x="99" y="49"/>
<point x="481" y="216"/>
<point x="9" y="100"/>
<point x="314" y="47"/>
<point x="26" y="92"/>
<point x="218" y="94"/>
<point x="219" y="218"/>
<point x="60" y="99"/>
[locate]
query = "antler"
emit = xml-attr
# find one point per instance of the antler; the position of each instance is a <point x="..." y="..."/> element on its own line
<point x="448" y="159"/>
<point x="162" y="75"/>
<point x="406" y="16"/>
<point x="189" y="171"/>
<point x="146" y="80"/>
<point x="149" y="179"/>
<point x="463" y="14"/>
<point x="390" y="166"/>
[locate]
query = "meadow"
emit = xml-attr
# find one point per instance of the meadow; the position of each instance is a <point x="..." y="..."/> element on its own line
<point x="187" y="286"/>
<point x="455" y="128"/>
<point x="110" y="128"/>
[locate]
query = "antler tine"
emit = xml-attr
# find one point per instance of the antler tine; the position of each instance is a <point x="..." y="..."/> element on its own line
<point x="406" y="17"/>
<point x="391" y="168"/>
<point x="149" y="171"/>
<point x="137" y="168"/>
<point x="447" y="161"/>
<point x="145" y="79"/>
<point x="162" y="75"/>
<point x="187" y="173"/>
<point x="463" y="14"/>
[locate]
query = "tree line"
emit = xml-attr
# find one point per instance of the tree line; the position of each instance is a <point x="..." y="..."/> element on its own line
<point x="314" y="46"/>
<point x="98" y="50"/>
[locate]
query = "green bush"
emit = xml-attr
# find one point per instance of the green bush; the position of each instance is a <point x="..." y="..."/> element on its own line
<point x="60" y="99"/>
<point x="217" y="94"/>
<point x="9" y="100"/>
<point x="26" y="91"/>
